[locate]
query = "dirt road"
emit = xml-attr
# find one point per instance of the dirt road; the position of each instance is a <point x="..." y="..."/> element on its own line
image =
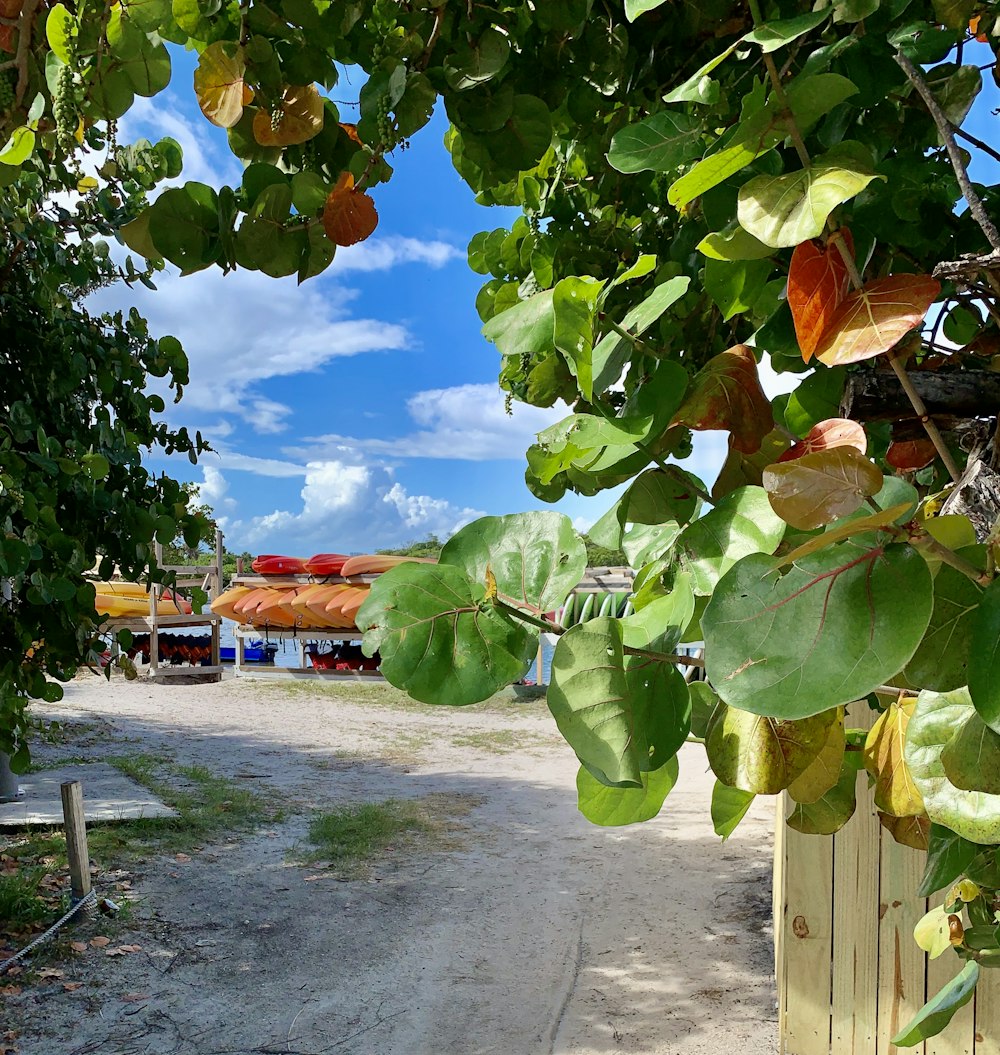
<point x="535" y="933"/>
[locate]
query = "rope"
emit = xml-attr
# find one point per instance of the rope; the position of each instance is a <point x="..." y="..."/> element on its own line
<point x="91" y="896"/>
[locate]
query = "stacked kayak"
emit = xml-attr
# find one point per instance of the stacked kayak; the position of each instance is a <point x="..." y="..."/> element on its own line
<point x="124" y="600"/>
<point x="321" y="604"/>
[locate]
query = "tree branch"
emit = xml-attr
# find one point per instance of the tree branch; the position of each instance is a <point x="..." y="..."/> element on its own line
<point x="945" y="130"/>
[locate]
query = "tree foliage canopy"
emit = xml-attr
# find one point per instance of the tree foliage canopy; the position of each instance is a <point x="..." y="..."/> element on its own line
<point x="704" y="188"/>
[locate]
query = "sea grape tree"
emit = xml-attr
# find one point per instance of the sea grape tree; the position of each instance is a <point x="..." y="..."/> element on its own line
<point x="705" y="190"/>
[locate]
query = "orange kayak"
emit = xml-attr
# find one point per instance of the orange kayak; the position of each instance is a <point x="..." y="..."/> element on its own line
<point x="309" y="605"/>
<point x="225" y="603"/>
<point x="270" y="611"/>
<point x="375" y="563"/>
<point x="349" y="609"/>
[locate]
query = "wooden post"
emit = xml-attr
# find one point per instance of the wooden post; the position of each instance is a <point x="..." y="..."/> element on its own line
<point x="538" y="664"/>
<point x="154" y="607"/>
<point x="76" y="839"/>
<point x="216" y="659"/>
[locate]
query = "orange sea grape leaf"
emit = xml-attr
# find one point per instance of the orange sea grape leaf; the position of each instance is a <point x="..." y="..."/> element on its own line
<point x="352" y="132"/>
<point x="726" y="394"/>
<point x="910" y="455"/>
<point x="301" y="118"/>
<point x="218" y="83"/>
<point x="349" y="215"/>
<point x="819" y="488"/>
<point x="834" y="432"/>
<point x="817" y="283"/>
<point x="873" y="319"/>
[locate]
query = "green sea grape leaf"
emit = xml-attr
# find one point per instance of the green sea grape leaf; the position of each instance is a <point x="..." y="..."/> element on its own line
<point x="821" y="487"/>
<point x="739" y="524"/>
<point x="984" y="656"/>
<point x="773" y="35"/>
<point x="703" y="704"/>
<point x="828" y="631"/>
<point x="763" y="755"/>
<point x="971" y="759"/>
<point x="734" y="243"/>
<point x="622" y="715"/>
<point x="729" y="807"/>
<point x="935" y="1015"/>
<point x="524" y="329"/>
<point x="658" y="625"/>
<point x="699" y="87"/>
<point x="635" y="8"/>
<point x="574" y="302"/>
<point x="660" y="143"/>
<point x="955" y="14"/>
<point x="948" y="856"/>
<point x="536" y="558"/>
<point x="941" y="662"/>
<point x="823" y="772"/>
<point x="831" y="811"/>
<point x="439" y="637"/>
<point x="782" y="211"/>
<point x="656" y="497"/>
<point x="614" y="806"/>
<point x="974" y="815"/>
<point x="184" y="226"/>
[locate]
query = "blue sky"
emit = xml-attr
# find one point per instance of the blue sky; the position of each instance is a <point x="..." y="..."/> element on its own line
<point x="359" y="410"/>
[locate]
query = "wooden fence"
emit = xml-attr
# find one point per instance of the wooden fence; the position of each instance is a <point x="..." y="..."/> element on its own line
<point x="849" y="973"/>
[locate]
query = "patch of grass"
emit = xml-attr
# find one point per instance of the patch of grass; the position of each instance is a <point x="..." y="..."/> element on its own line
<point x="21" y="905"/>
<point x="499" y="741"/>
<point x="354" y="837"/>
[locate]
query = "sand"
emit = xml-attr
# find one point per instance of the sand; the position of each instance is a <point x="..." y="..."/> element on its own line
<point x="530" y="931"/>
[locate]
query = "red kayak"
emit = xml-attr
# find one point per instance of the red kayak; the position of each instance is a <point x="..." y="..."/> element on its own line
<point x="271" y="564"/>
<point x="325" y="564"/>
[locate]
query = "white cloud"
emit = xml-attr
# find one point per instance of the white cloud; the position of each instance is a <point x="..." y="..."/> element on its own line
<point x="242" y="329"/>
<point x="380" y="254"/>
<point x="466" y="422"/>
<point x="350" y="507"/>
<point x="273" y="467"/>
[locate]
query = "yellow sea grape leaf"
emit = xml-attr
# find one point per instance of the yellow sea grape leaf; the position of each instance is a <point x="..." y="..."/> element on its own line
<point x="895" y="791"/>
<point x="301" y="118"/>
<point x="933" y="933"/>
<point x="907" y="831"/>
<point x="218" y="83"/>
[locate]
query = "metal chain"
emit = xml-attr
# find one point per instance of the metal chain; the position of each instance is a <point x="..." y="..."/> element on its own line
<point x="89" y="897"/>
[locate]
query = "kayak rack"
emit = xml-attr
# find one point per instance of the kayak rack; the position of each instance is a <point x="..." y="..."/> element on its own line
<point x="303" y="638"/>
<point x="207" y="577"/>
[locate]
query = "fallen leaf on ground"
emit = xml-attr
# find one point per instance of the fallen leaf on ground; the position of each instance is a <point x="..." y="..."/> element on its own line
<point x="71" y="987"/>
<point x="322" y="875"/>
<point x="10" y="990"/>
<point x="50" y="972"/>
<point x="78" y="946"/>
<point x="134" y="998"/>
<point x="100" y="941"/>
<point x="183" y="858"/>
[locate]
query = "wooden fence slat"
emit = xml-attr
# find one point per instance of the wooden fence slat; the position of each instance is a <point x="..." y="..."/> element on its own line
<point x="959" y="1037"/>
<point x="777" y="914"/>
<point x="855" y="909"/>
<point x="987" y="1003"/>
<point x="808" y="923"/>
<point x="902" y="964"/>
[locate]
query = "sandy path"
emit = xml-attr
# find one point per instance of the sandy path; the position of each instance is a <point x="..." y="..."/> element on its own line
<point x="540" y="935"/>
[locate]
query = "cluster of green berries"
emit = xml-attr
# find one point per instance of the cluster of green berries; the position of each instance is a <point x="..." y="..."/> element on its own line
<point x="65" y="111"/>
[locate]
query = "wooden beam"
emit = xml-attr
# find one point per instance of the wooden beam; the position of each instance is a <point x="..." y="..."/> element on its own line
<point x="877" y="395"/>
